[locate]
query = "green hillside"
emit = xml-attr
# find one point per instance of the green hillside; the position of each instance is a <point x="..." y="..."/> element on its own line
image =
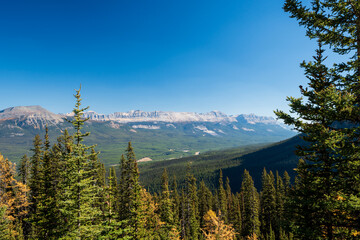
<point x="166" y="142"/>
<point x="279" y="156"/>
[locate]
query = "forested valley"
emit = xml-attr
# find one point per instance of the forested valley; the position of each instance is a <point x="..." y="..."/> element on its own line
<point x="63" y="191"/>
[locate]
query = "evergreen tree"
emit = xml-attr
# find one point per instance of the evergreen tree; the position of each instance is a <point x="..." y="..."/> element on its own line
<point x="34" y="181"/>
<point x="176" y="204"/>
<point x="319" y="174"/>
<point x="235" y="214"/>
<point x="166" y="208"/>
<point x="130" y="194"/>
<point x="334" y="94"/>
<point x="205" y="201"/>
<point x="268" y="204"/>
<point x="229" y="199"/>
<point x="222" y="203"/>
<point x="78" y="188"/>
<point x="250" y="212"/>
<point x="47" y="215"/>
<point x="113" y="228"/>
<point x="280" y="199"/>
<point x="24" y="169"/>
<point x="191" y="211"/>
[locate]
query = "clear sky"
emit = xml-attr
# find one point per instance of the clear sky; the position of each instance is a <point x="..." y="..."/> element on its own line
<point x="236" y="56"/>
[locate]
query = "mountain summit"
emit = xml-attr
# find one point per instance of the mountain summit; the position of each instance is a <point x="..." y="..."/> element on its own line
<point x="35" y="116"/>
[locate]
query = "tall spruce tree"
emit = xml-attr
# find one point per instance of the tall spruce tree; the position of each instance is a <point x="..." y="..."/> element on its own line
<point x="336" y="96"/>
<point x="24" y="169"/>
<point x="280" y="199"/>
<point x="34" y="182"/>
<point x="205" y="201"/>
<point x="250" y="208"/>
<point x="191" y="208"/>
<point x="320" y="182"/>
<point x="78" y="188"/>
<point x="235" y="214"/>
<point x="166" y="206"/>
<point x="47" y="215"/>
<point x="176" y="204"/>
<point x="268" y="205"/>
<point x="222" y="202"/>
<point x="130" y="211"/>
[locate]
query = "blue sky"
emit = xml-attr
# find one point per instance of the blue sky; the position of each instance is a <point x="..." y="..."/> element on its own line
<point x="233" y="56"/>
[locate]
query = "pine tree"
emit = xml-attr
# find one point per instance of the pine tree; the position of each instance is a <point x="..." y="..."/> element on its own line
<point x="280" y="199"/>
<point x="250" y="212"/>
<point x="319" y="174"/>
<point x="235" y="214"/>
<point x="166" y="205"/>
<point x="334" y="93"/>
<point x="176" y="204"/>
<point x="113" y="228"/>
<point x="191" y="211"/>
<point x="78" y="188"/>
<point x="24" y="169"/>
<point x="205" y="201"/>
<point x="130" y="194"/>
<point x="34" y="181"/>
<point x="47" y="215"/>
<point x="229" y="199"/>
<point x="268" y="204"/>
<point x="222" y="202"/>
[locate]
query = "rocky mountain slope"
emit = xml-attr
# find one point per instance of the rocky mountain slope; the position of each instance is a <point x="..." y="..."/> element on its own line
<point x="157" y="135"/>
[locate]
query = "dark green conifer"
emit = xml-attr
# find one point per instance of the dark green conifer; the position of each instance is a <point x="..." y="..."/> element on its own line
<point x="280" y="199"/>
<point x="24" y="169"/>
<point x="235" y="214"/>
<point x="191" y="210"/>
<point x="250" y="209"/>
<point x="222" y="203"/>
<point x="319" y="180"/>
<point x="47" y="215"/>
<point x="268" y="204"/>
<point x="176" y="204"/>
<point x="130" y="198"/>
<point x="78" y="187"/>
<point x="205" y="202"/>
<point x="166" y="206"/>
<point x="329" y="118"/>
<point x="34" y="182"/>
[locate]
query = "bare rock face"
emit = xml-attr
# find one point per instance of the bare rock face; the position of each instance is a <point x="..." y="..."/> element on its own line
<point x="34" y="116"/>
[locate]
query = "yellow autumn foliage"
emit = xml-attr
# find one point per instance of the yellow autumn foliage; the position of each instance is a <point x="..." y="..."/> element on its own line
<point x="13" y="194"/>
<point x="216" y="229"/>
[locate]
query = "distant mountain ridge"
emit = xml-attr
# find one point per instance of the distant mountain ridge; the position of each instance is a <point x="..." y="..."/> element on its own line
<point x="38" y="113"/>
<point x="168" y="116"/>
<point x="158" y="135"/>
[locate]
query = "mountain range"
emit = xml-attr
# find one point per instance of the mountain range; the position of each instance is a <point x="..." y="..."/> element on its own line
<point x="156" y="135"/>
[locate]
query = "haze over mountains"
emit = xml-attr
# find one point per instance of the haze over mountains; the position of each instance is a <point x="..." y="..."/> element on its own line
<point x="158" y="135"/>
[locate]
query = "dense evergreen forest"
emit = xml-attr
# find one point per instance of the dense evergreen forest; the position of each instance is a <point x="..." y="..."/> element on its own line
<point x="63" y="191"/>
